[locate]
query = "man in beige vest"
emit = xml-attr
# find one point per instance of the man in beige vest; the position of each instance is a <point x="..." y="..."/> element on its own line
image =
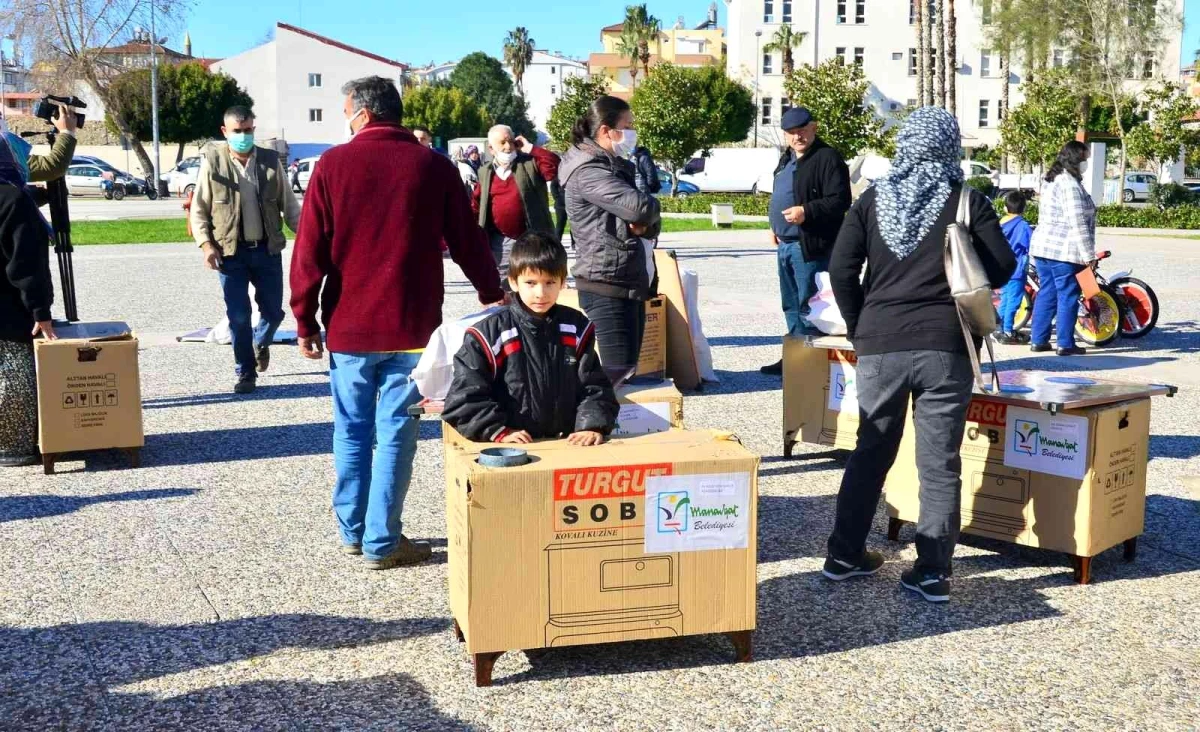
<point x="241" y="202"/>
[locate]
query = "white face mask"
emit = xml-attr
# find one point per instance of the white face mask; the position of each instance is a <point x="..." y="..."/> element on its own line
<point x="505" y="159"/>
<point x="349" y="131"/>
<point x="625" y="146"/>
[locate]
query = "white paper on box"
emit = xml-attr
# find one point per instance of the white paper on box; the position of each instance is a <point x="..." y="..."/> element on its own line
<point x="843" y="388"/>
<point x="1052" y="444"/>
<point x="643" y="419"/>
<point x="687" y="513"/>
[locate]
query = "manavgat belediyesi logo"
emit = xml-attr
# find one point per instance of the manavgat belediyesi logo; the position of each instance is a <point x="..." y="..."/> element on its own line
<point x="1026" y="436"/>
<point x="673" y="512"/>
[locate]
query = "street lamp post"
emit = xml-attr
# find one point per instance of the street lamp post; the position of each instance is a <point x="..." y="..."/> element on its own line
<point x="154" y="95"/>
<point x="757" y="70"/>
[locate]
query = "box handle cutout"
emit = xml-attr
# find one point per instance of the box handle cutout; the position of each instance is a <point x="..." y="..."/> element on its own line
<point x="1124" y="421"/>
<point x="88" y="354"/>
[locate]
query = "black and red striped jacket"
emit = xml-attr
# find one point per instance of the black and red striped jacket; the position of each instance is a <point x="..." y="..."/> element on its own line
<point x="520" y="371"/>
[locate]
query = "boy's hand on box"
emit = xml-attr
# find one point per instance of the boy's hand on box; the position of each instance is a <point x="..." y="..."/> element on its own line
<point x="586" y="438"/>
<point x="520" y="437"/>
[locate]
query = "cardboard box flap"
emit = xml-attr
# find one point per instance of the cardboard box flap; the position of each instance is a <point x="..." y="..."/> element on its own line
<point x="106" y="331"/>
<point x="655" y="446"/>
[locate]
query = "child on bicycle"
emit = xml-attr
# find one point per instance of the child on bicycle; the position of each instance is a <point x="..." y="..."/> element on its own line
<point x="1018" y="232"/>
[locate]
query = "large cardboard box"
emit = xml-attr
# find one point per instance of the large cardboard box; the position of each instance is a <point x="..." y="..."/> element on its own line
<point x="820" y="402"/>
<point x="652" y="360"/>
<point x="648" y="407"/>
<point x="1108" y="446"/>
<point x="644" y="537"/>
<point x="89" y="389"/>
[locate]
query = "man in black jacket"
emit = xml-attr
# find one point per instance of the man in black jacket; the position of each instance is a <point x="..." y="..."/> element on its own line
<point x="808" y="202"/>
<point x="531" y="371"/>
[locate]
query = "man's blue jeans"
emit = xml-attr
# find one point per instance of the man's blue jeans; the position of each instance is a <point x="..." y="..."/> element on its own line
<point x="371" y="396"/>
<point x="1057" y="300"/>
<point x="265" y="271"/>
<point x="797" y="285"/>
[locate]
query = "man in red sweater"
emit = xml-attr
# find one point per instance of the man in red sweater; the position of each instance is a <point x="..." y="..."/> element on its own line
<point x="368" y="252"/>
<point x="512" y="196"/>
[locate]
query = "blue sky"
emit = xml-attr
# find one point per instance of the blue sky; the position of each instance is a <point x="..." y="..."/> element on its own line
<point x="420" y="32"/>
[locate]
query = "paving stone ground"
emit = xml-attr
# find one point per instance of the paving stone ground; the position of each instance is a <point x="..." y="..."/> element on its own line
<point x="206" y="591"/>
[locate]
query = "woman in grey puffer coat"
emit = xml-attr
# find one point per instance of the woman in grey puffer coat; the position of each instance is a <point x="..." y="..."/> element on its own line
<point x="613" y="226"/>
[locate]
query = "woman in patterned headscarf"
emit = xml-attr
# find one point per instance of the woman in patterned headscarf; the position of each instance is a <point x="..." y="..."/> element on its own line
<point x="910" y="346"/>
<point x="25" y="296"/>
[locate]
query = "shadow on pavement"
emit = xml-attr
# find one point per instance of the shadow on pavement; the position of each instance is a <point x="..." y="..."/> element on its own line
<point x="66" y="676"/>
<point x="264" y="392"/>
<point x="250" y="443"/>
<point x="746" y="341"/>
<point x="1174" y="446"/>
<point x="20" y="508"/>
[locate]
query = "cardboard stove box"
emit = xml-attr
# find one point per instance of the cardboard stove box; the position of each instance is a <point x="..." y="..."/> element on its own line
<point x="1096" y="501"/>
<point x="652" y="360"/>
<point x="645" y="537"/>
<point x="820" y="405"/>
<point x="647" y="408"/>
<point x="89" y="389"/>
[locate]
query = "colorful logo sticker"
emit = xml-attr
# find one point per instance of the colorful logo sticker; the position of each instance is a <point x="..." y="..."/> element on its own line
<point x="673" y="512"/>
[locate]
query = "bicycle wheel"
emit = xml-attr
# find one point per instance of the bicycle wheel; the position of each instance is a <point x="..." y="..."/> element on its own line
<point x="1024" y="310"/>
<point x="1099" y="318"/>
<point x="1139" y="312"/>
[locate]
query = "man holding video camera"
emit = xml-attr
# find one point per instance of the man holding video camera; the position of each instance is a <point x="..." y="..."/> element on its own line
<point x="53" y="166"/>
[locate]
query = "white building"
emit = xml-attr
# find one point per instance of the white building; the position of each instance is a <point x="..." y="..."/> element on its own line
<point x="881" y="35"/>
<point x="433" y="72"/>
<point x="543" y="82"/>
<point x="296" y="81"/>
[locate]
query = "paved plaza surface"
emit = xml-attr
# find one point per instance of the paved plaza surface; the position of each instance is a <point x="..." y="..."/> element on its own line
<point x="206" y="590"/>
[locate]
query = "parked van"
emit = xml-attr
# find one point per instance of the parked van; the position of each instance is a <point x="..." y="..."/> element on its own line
<point x="732" y="170"/>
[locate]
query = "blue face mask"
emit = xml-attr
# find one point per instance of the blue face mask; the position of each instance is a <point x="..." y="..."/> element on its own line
<point x="20" y="150"/>
<point x="241" y="142"/>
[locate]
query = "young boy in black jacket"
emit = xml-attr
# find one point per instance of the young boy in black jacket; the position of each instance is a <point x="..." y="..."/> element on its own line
<point x="531" y="371"/>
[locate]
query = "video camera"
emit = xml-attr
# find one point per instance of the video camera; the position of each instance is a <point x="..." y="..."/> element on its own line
<point x="48" y="109"/>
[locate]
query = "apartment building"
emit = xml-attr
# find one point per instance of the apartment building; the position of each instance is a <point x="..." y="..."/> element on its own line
<point x="679" y="45"/>
<point x="543" y="82"/>
<point x="881" y="36"/>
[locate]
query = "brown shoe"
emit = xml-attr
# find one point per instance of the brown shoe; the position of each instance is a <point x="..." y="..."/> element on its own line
<point x="353" y="550"/>
<point x="262" y="358"/>
<point x="406" y="552"/>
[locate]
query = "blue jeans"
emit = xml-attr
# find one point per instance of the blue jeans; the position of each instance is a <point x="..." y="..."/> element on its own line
<point x="797" y="285"/>
<point x="371" y="396"/>
<point x="1010" y="300"/>
<point x="1058" y="299"/>
<point x="265" y="271"/>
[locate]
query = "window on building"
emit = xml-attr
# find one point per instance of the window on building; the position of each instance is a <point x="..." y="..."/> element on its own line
<point x="1058" y="59"/>
<point x="768" y="11"/>
<point x="912" y="62"/>
<point x="314" y="81"/>
<point x="897" y="55"/>
<point x="784" y="106"/>
<point x="551" y="69"/>
<point x="911" y="103"/>
<point x="983" y="112"/>
<point x="553" y="89"/>
<point x="766" y="110"/>
<point x="841" y="12"/>
<point x="912" y="12"/>
<point x="787" y="11"/>
<point x="840" y="53"/>
<point x="767" y="63"/>
<point x="858" y="55"/>
<point x="315" y="115"/>
<point x="985" y="63"/>
<point x="860" y="11"/>
<point x="1149" y="65"/>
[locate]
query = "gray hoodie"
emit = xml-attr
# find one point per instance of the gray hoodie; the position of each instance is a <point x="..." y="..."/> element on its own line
<point x="602" y="201"/>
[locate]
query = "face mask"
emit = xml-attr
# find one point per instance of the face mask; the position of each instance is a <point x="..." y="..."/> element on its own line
<point x="349" y="132"/>
<point x="505" y="159"/>
<point x="625" y="146"/>
<point x="241" y="142"/>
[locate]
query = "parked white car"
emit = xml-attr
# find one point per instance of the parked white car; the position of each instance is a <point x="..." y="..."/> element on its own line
<point x="86" y="180"/>
<point x="1137" y="186"/>
<point x="733" y="170"/>
<point x="307" y="166"/>
<point x="181" y="180"/>
<point x="975" y="169"/>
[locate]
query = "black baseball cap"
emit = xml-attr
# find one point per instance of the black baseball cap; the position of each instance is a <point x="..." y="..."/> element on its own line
<point x="796" y="117"/>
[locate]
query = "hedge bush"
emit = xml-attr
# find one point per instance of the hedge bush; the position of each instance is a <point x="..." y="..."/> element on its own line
<point x="701" y="203"/>
<point x="1170" y="195"/>
<point x="983" y="184"/>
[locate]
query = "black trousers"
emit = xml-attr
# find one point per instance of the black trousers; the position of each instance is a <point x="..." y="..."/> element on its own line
<point x="619" y="327"/>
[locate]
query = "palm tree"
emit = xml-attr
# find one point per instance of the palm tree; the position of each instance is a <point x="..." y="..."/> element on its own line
<point x="627" y="47"/>
<point x="951" y="32"/>
<point x="518" y="54"/>
<point x="784" y="40"/>
<point x="927" y="58"/>
<point x="920" y="17"/>
<point x="639" y="29"/>
<point x="939" y="72"/>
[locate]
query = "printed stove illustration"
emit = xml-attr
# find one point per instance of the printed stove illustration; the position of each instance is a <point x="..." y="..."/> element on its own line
<point x="994" y="497"/>
<point x="601" y="591"/>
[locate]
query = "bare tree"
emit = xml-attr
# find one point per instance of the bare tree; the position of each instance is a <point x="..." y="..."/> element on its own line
<point x="71" y="42"/>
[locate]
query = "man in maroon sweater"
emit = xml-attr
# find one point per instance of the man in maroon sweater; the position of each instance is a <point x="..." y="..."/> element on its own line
<point x="369" y="250"/>
<point x="512" y="196"/>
